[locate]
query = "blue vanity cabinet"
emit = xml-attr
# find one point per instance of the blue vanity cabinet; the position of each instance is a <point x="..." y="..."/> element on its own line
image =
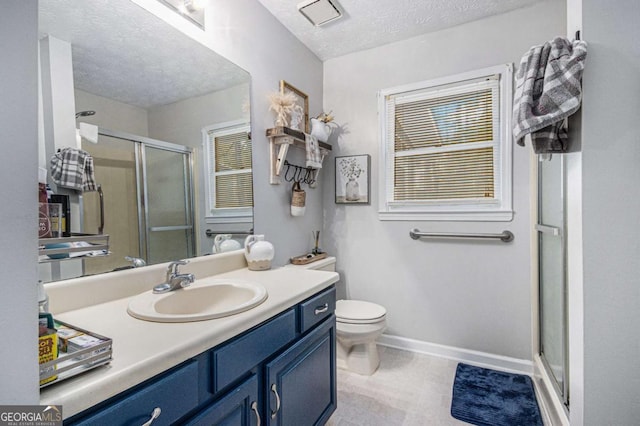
<point x="281" y="372"/>
<point x="301" y="382"/>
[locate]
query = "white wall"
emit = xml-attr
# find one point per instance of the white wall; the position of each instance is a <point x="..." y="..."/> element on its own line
<point x="611" y="207"/>
<point x="111" y="114"/>
<point x="467" y="294"/>
<point x="19" y="136"/>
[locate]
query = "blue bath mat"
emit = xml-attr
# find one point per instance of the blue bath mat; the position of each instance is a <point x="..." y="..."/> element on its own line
<point x="492" y="398"/>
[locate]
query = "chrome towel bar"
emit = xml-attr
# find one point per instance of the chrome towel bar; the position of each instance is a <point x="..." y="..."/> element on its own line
<point x="505" y="236"/>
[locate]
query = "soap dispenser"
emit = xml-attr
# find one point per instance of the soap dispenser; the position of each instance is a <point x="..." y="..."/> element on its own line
<point x="258" y="252"/>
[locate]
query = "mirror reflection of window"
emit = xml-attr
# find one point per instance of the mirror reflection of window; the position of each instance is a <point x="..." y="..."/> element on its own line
<point x="230" y="189"/>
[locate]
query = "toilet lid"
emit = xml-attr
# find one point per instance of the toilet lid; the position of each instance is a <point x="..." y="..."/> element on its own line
<point x="358" y="311"/>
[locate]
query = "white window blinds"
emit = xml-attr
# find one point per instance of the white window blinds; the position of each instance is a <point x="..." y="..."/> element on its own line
<point x="229" y="169"/>
<point x="443" y="147"/>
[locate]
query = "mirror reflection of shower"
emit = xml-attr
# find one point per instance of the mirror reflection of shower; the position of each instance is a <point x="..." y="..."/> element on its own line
<point x="136" y="189"/>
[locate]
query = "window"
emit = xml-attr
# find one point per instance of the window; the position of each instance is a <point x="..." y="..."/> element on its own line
<point x="445" y="148"/>
<point x="229" y="176"/>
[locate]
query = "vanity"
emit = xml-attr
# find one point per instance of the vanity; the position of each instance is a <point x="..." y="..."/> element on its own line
<point x="273" y="364"/>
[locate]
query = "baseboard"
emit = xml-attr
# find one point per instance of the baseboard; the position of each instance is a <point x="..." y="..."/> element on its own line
<point x="481" y="359"/>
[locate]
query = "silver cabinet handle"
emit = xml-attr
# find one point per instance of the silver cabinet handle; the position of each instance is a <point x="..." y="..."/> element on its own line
<point x="254" y="407"/>
<point x="322" y="309"/>
<point x="275" y="391"/>
<point x="154" y="415"/>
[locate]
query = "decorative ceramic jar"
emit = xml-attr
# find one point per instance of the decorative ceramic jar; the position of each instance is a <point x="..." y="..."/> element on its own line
<point x="320" y="130"/>
<point x="223" y="242"/>
<point x="258" y="252"/>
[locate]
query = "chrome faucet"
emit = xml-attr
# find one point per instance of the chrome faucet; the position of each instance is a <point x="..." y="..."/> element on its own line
<point x="174" y="280"/>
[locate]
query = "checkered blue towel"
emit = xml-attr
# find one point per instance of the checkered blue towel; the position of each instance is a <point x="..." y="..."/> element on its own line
<point x="73" y="168"/>
<point x="548" y="90"/>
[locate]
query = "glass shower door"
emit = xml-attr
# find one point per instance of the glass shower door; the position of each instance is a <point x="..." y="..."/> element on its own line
<point x="552" y="272"/>
<point x="168" y="204"/>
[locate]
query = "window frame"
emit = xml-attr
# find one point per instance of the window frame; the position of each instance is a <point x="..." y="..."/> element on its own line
<point x="500" y="208"/>
<point x="222" y="215"/>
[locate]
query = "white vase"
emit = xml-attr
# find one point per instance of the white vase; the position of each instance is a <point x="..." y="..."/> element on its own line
<point x="352" y="190"/>
<point x="320" y="130"/>
<point x="258" y="252"/>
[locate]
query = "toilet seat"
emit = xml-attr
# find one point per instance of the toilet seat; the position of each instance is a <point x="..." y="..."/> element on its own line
<point x="359" y="312"/>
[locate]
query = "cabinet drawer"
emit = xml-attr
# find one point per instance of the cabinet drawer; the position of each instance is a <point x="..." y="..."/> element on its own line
<point x="317" y="308"/>
<point x="175" y="394"/>
<point x="235" y="359"/>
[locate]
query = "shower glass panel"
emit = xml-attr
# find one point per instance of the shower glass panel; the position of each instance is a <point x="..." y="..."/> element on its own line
<point x="552" y="272"/>
<point x="115" y="169"/>
<point x="169" y="216"/>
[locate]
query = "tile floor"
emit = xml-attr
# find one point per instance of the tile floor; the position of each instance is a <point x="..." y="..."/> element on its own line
<point x="409" y="389"/>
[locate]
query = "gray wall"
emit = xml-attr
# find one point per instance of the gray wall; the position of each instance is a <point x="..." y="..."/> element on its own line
<point x="19" y="136"/>
<point x="466" y="294"/>
<point x="247" y="34"/>
<point x="611" y="211"/>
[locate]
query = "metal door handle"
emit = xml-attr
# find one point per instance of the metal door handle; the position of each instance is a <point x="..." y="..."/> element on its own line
<point x="545" y="229"/>
<point x="322" y="309"/>
<point x="254" y="407"/>
<point x="275" y="391"/>
<point x="154" y="415"/>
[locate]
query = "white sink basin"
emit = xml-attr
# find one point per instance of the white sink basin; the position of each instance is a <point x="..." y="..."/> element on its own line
<point x="204" y="300"/>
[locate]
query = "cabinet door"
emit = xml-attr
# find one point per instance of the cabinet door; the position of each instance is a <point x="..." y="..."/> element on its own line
<point x="239" y="407"/>
<point x="301" y="382"/>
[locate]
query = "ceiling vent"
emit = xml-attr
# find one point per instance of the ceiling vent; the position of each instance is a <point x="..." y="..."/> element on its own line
<point x="319" y="12"/>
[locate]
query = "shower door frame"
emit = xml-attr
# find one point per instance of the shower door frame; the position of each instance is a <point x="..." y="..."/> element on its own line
<point x="142" y="189"/>
<point x="562" y="391"/>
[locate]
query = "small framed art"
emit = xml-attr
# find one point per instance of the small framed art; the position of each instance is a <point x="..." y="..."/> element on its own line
<point x="353" y="179"/>
<point x="298" y="121"/>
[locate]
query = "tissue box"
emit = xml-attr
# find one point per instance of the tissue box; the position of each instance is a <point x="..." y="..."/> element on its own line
<point x="48" y="351"/>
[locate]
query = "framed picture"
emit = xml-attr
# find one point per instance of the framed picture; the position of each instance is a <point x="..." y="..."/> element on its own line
<point x="353" y="179"/>
<point x="297" y="121"/>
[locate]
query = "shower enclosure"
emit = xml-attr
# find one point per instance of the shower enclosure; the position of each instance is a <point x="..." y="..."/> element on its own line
<point x="552" y="274"/>
<point x="148" y="208"/>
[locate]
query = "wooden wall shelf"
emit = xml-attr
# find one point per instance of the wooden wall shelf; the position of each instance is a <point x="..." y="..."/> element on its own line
<point x="280" y="139"/>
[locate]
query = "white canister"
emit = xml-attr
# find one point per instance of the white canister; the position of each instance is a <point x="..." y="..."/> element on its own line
<point x="223" y="242"/>
<point x="258" y="252"/>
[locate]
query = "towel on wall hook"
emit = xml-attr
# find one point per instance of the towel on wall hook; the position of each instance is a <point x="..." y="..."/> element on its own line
<point x="548" y="90"/>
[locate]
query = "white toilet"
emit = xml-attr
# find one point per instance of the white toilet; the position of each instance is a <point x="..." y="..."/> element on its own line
<point x="358" y="325"/>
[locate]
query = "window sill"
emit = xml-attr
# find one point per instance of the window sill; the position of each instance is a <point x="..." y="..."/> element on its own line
<point x="451" y="216"/>
<point x="229" y="219"/>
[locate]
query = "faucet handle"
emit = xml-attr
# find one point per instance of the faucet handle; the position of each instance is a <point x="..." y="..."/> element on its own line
<point x="173" y="266"/>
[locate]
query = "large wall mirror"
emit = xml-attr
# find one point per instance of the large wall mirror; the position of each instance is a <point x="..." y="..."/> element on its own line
<point x="171" y="119"/>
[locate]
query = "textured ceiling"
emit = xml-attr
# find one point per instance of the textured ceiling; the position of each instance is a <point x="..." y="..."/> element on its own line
<point x="370" y="23"/>
<point x="125" y="53"/>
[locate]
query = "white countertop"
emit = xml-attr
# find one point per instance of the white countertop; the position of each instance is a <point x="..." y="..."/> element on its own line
<point x="143" y="349"/>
